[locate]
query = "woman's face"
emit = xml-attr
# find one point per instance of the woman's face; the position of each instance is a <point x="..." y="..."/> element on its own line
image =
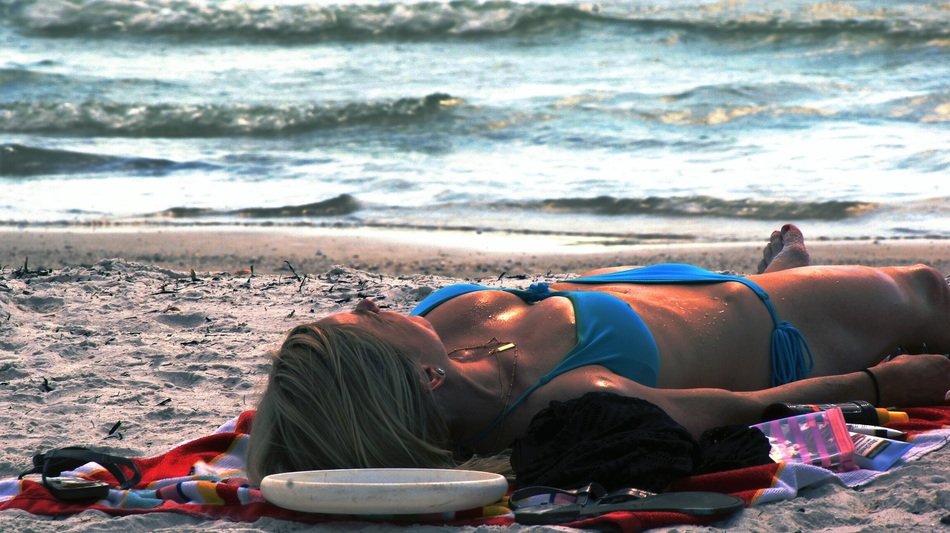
<point x="413" y="334"/>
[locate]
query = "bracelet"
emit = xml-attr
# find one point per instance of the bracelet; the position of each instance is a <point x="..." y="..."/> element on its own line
<point x="877" y="387"/>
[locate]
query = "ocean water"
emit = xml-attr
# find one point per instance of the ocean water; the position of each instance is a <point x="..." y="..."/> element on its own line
<point x="644" y="120"/>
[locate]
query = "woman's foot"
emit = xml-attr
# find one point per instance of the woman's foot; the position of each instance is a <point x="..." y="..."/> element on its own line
<point x="786" y="249"/>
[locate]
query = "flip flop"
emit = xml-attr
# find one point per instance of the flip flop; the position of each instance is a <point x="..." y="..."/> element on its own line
<point x="54" y="462"/>
<point x="587" y="504"/>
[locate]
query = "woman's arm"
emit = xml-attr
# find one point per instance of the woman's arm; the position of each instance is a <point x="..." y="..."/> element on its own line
<point x="905" y="381"/>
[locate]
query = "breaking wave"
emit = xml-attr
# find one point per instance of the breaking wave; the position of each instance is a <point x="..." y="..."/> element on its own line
<point x="17" y="160"/>
<point x="461" y="18"/>
<point x="211" y="120"/>
<point x="687" y="206"/>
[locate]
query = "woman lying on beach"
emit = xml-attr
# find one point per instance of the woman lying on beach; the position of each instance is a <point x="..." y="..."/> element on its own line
<point x="467" y="370"/>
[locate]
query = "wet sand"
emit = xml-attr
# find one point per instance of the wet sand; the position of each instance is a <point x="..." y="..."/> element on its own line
<point x="401" y="252"/>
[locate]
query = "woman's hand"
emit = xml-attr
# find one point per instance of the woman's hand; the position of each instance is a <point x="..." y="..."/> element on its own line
<point x="909" y="380"/>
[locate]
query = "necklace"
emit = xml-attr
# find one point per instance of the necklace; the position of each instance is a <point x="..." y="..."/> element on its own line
<point x="496" y="347"/>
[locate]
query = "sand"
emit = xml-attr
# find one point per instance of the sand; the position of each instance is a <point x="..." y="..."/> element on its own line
<point x="113" y="326"/>
<point x="403" y="252"/>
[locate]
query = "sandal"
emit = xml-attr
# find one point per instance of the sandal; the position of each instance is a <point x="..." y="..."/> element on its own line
<point x="548" y="505"/>
<point x="54" y="462"/>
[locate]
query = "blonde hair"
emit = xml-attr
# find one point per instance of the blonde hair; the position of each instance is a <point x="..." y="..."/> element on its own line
<point x="340" y="397"/>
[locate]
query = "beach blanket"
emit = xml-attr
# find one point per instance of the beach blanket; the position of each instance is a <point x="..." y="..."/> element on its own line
<point x="205" y="478"/>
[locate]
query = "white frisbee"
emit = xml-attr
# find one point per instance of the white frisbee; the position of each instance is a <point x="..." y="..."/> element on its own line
<point x="373" y="491"/>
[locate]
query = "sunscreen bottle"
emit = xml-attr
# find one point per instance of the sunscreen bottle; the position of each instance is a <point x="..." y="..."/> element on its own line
<point x="855" y="412"/>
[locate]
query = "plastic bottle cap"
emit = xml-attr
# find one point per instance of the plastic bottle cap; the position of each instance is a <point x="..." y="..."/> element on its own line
<point x="898" y="416"/>
<point x="888" y="417"/>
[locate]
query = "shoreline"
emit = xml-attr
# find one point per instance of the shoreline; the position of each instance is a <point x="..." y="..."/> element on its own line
<point x="401" y="252"/>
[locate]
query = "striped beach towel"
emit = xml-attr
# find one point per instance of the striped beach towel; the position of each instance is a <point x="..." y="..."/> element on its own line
<point x="206" y="478"/>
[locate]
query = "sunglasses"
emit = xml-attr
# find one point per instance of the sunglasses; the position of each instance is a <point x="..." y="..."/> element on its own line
<point x="52" y="463"/>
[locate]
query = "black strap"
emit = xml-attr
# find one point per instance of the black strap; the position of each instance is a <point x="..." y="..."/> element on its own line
<point x="53" y="462"/>
<point x="877" y="387"/>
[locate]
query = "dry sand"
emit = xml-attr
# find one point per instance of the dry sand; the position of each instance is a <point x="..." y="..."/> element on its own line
<point x="142" y="341"/>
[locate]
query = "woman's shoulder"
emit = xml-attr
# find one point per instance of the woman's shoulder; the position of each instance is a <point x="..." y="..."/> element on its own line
<point x="440" y="296"/>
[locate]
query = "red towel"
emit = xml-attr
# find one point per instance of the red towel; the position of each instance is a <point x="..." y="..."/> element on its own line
<point x="205" y="478"/>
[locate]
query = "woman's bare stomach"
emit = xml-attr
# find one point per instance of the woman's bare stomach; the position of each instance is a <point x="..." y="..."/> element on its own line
<point x="709" y="335"/>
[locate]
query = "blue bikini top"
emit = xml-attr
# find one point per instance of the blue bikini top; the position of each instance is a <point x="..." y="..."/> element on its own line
<point x="611" y="334"/>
